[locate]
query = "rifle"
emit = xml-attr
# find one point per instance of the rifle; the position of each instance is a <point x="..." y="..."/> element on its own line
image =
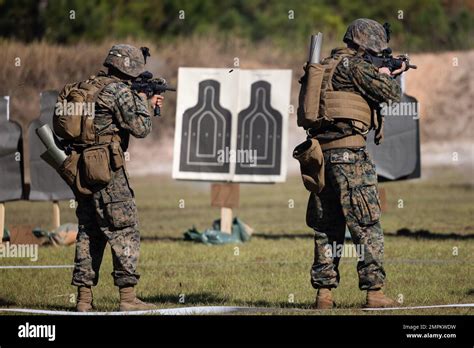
<point x="386" y="59"/>
<point x="145" y="83"/>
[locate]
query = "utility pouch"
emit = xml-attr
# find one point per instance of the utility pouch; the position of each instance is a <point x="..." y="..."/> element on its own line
<point x="309" y="96"/>
<point x="117" y="157"/>
<point x="311" y="159"/>
<point x="96" y="165"/>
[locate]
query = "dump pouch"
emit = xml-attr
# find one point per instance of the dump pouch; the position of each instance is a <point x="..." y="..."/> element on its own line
<point x="71" y="174"/>
<point x="311" y="159"/>
<point x="309" y="96"/>
<point x="96" y="165"/>
<point x="68" y="170"/>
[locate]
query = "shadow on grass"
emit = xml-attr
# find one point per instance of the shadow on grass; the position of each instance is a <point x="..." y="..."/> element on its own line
<point x="71" y="308"/>
<point x="288" y="305"/>
<point x="267" y="304"/>
<point x="283" y="235"/>
<point x="404" y="232"/>
<point x="425" y="234"/>
<point x="161" y="239"/>
<point x="6" y="303"/>
<point x="203" y="298"/>
<point x="208" y="299"/>
<point x="254" y="235"/>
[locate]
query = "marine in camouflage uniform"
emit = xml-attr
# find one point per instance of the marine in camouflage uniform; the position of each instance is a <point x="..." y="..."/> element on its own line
<point x="110" y="214"/>
<point x="350" y="195"/>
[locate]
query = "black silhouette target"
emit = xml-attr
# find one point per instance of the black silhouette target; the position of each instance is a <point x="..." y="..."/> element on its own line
<point x="46" y="184"/>
<point x="205" y="132"/>
<point x="398" y="157"/>
<point x="259" y="131"/>
<point x="11" y="184"/>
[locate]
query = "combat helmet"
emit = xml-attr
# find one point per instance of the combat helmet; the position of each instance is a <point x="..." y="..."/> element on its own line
<point x="127" y="59"/>
<point x="368" y="34"/>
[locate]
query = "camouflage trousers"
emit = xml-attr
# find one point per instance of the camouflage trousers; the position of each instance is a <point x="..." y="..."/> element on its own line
<point x="350" y="197"/>
<point x="108" y="216"/>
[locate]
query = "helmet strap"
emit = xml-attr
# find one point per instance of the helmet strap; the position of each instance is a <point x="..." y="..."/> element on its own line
<point x="360" y="51"/>
<point x="118" y="74"/>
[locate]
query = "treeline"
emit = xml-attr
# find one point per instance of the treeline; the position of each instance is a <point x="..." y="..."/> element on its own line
<point x="418" y="25"/>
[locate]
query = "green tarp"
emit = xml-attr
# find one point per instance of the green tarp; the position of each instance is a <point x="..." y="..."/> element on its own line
<point x="214" y="235"/>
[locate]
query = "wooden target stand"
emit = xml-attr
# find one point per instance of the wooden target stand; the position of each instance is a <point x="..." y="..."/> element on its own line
<point x="56" y="217"/>
<point x="383" y="199"/>
<point x="225" y="196"/>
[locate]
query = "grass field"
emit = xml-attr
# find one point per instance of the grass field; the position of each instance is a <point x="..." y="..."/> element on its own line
<point x="429" y="250"/>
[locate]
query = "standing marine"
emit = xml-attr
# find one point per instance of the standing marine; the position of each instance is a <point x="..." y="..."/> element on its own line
<point x="95" y="169"/>
<point x="345" y="93"/>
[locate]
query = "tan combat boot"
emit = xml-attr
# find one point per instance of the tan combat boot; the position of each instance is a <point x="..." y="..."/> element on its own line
<point x="84" y="299"/>
<point x="377" y="299"/>
<point x="324" y="299"/>
<point x="130" y="302"/>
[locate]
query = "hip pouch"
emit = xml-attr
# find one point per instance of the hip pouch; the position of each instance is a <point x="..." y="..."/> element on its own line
<point x="96" y="165"/>
<point x="309" y="96"/>
<point x="311" y="159"/>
